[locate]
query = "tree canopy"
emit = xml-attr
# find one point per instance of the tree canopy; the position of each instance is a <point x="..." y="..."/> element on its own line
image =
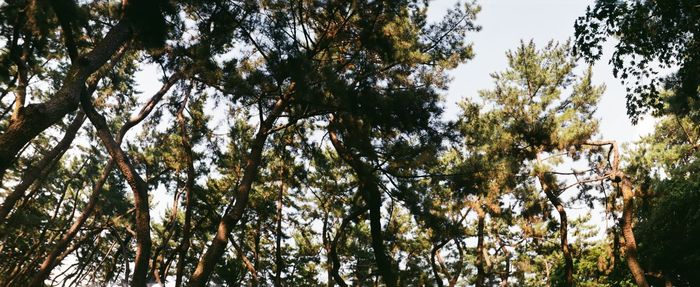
<point x="283" y="143"/>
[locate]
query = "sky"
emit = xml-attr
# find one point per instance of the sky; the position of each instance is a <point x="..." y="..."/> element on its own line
<point x="504" y="24"/>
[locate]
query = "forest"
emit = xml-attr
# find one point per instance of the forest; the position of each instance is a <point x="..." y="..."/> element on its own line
<point x="305" y="143"/>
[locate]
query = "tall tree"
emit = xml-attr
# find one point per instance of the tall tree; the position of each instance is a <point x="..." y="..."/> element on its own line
<point x="540" y="123"/>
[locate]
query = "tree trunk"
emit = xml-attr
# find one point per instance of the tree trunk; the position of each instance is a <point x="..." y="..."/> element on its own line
<point x="368" y="184"/>
<point x="333" y="254"/>
<point x="189" y="195"/>
<point x="433" y="264"/>
<point x="246" y="262"/>
<point x="279" y="234"/>
<point x="616" y="175"/>
<point x="550" y="188"/>
<point x="563" y="235"/>
<point x="630" y="242"/>
<point x="384" y="264"/>
<point x="51" y="259"/>
<point x="137" y="185"/>
<point x="216" y="249"/>
<point x="480" y="272"/>
<point x="460" y="264"/>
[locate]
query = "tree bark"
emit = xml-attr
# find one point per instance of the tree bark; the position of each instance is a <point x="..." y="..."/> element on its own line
<point x="52" y="258"/>
<point x="246" y="262"/>
<point x="31" y="120"/>
<point x="630" y="242"/>
<point x="563" y="235"/>
<point x="451" y="279"/>
<point x="278" y="232"/>
<point x="137" y="185"/>
<point x="333" y="254"/>
<point x="616" y="175"/>
<point x="189" y="195"/>
<point x="217" y="247"/>
<point x="433" y="264"/>
<point x="550" y="188"/>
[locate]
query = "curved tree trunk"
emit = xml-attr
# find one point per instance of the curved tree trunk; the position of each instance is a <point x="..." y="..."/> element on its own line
<point x="137" y="185"/>
<point x="246" y="262"/>
<point x="616" y="175"/>
<point x="563" y="236"/>
<point x="434" y="265"/>
<point x="333" y="254"/>
<point x="217" y="247"/>
<point x="630" y="242"/>
<point x="52" y="259"/>
<point x="550" y="188"/>
<point x="189" y="195"/>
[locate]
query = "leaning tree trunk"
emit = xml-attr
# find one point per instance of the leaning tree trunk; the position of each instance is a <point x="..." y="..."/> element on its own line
<point x="616" y="175"/>
<point x="217" y="247"/>
<point x="137" y="185"/>
<point x="434" y="265"/>
<point x="189" y="195"/>
<point x="550" y="188"/>
<point x="333" y="253"/>
<point x="52" y="259"/>
<point x="563" y="235"/>
<point x="40" y="169"/>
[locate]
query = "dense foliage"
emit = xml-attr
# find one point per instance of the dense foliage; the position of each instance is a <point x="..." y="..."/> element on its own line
<point x="303" y="143"/>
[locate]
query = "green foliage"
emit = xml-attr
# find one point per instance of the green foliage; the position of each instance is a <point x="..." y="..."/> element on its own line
<point x="358" y="177"/>
<point x="653" y="35"/>
<point x="667" y="230"/>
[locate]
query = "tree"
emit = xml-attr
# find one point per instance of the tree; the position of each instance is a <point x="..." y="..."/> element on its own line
<point x="653" y="35"/>
<point x="664" y="163"/>
<point x="539" y="123"/>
